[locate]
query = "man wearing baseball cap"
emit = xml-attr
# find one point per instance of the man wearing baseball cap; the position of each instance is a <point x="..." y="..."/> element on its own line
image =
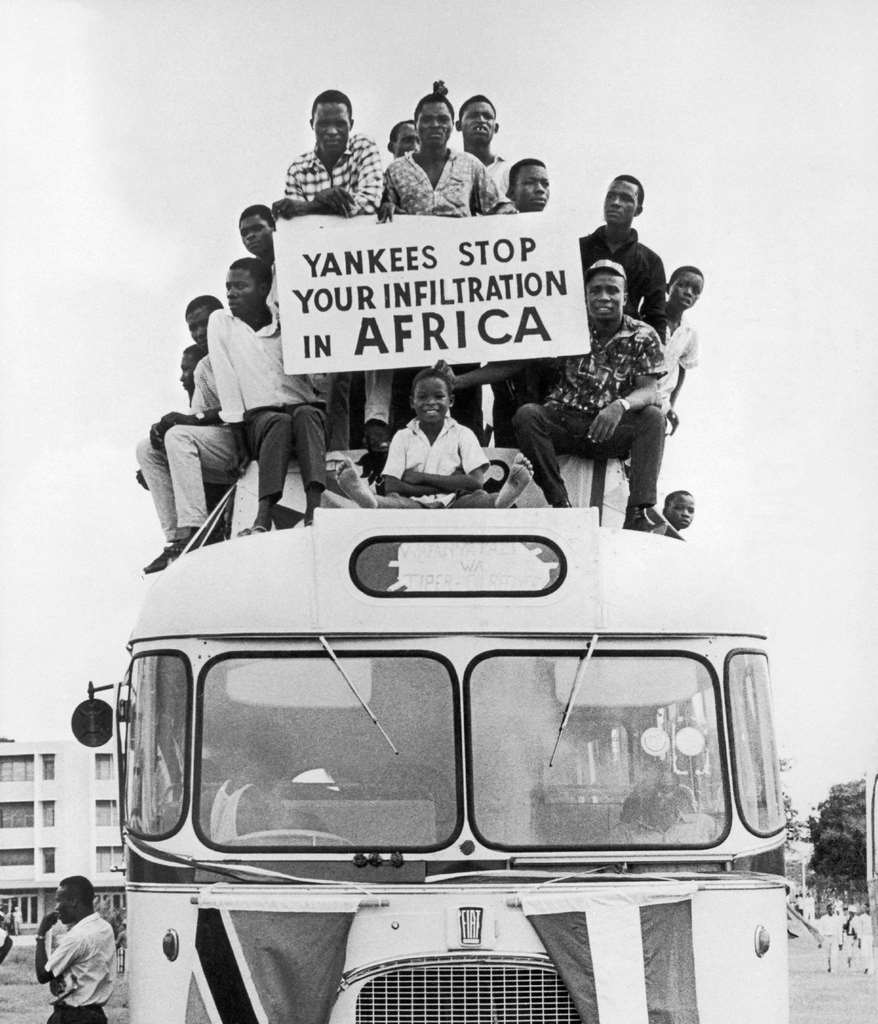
<point x="604" y="404"/>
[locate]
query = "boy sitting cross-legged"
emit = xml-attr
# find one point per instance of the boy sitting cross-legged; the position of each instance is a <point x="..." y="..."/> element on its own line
<point x="434" y="462"/>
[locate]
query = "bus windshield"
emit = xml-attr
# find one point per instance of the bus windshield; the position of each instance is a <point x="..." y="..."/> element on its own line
<point x="638" y="762"/>
<point x="290" y="758"/>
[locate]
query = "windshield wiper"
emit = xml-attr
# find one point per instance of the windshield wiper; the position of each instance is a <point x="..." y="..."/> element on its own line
<point x="325" y="644"/>
<point x="577" y="682"/>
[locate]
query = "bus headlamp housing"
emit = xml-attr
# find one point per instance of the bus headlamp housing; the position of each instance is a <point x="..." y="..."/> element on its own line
<point x="761" y="940"/>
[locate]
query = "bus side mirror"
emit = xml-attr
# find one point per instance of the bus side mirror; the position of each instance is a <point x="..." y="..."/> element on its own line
<point x="92" y="722"/>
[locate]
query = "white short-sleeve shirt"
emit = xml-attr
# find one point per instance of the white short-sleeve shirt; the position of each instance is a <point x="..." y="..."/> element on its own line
<point x="455" y="450"/>
<point x="83" y="962"/>
<point x="681" y="349"/>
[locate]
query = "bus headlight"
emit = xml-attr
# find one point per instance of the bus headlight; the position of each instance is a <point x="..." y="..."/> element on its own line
<point x="171" y="944"/>
<point x="761" y="940"/>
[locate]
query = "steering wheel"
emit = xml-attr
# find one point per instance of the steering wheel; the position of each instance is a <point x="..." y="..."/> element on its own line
<point x="282" y="835"/>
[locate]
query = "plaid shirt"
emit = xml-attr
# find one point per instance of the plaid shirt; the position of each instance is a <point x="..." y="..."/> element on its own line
<point x="358" y="171"/>
<point x="590" y="383"/>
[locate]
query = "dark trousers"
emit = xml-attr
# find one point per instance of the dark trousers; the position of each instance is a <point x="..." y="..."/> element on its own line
<point x="273" y="435"/>
<point x="546" y="431"/>
<point x="93" y="1014"/>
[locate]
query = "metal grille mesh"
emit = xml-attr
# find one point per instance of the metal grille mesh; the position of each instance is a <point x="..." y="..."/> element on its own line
<point x="466" y="993"/>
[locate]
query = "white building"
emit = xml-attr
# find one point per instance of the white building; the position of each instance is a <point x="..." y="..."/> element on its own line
<point x="59" y="816"/>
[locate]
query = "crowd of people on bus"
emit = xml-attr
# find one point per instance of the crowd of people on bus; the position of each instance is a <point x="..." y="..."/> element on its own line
<point x="616" y="401"/>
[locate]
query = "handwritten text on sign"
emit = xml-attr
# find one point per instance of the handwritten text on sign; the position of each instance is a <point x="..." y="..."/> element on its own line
<point x="358" y="295"/>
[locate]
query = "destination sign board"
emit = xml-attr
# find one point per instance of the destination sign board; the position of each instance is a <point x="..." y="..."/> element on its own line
<point x="453" y="566"/>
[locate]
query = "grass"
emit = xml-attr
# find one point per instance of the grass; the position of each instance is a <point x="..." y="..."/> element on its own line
<point x="815" y="996"/>
<point x="24" y="1001"/>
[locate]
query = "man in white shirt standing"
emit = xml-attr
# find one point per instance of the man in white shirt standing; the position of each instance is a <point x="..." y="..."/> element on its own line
<point x="282" y="414"/>
<point x="78" y="970"/>
<point x="681" y="341"/>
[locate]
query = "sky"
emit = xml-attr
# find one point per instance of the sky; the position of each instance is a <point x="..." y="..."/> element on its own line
<point x="133" y="134"/>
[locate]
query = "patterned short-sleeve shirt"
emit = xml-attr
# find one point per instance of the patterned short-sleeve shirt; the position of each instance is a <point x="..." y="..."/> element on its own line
<point x="591" y="382"/>
<point x="464" y="188"/>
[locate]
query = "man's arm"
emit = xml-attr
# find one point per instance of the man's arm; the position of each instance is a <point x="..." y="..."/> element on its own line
<point x="645" y="393"/>
<point x="40" y="955"/>
<point x="652" y="306"/>
<point x="208" y="418"/>
<point x="366" y="196"/>
<point x="491" y="373"/>
<point x="437" y="484"/>
<point x="671" y="414"/>
<point x="227" y="386"/>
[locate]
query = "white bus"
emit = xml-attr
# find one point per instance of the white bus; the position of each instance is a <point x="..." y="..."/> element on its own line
<point x="418" y="766"/>
<point x="872" y="850"/>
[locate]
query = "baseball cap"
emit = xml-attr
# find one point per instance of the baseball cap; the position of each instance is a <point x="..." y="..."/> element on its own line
<point x="607" y="267"/>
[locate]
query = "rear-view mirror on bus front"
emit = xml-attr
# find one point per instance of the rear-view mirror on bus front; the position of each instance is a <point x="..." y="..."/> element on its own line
<point x="92" y="722"/>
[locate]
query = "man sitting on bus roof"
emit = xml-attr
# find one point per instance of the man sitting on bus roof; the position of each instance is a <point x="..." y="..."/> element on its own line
<point x="341" y="176"/>
<point x="257" y="227"/>
<point x="185" y="450"/>
<point x="281" y="413"/>
<point x="604" y="404"/>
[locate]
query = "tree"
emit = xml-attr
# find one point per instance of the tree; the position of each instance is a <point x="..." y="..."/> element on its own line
<point x="838" y="834"/>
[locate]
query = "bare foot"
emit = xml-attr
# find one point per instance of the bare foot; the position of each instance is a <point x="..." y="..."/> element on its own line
<point x="520" y="475"/>
<point x="352" y="485"/>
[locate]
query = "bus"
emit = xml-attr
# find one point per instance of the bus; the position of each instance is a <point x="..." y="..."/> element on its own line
<point x="429" y="766"/>
<point x="872" y="850"/>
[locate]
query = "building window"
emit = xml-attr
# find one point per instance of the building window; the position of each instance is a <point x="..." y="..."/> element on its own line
<point x="49" y="861"/>
<point x="16" y="858"/>
<point x="17" y="815"/>
<point x="103" y="766"/>
<point x="16" y="769"/>
<point x="107" y="857"/>
<point x="48" y="767"/>
<point x="106" y="813"/>
<point x="48" y="814"/>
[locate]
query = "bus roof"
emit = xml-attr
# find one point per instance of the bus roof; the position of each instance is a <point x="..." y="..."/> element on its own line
<point x="519" y="571"/>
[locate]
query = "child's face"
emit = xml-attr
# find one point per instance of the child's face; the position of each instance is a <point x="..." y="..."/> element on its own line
<point x="686" y="290"/>
<point x="680" y="511"/>
<point x="431" y="400"/>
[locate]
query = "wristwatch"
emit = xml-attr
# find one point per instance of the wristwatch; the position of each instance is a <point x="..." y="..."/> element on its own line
<point x="199" y="416"/>
<point x="626" y="405"/>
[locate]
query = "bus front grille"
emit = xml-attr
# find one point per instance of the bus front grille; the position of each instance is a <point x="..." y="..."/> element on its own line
<point x="466" y="993"/>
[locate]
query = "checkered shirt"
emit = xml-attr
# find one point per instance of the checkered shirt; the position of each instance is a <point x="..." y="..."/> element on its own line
<point x="358" y="171"/>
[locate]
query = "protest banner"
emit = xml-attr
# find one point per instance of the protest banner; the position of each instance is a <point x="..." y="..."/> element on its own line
<point x="358" y="295"/>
